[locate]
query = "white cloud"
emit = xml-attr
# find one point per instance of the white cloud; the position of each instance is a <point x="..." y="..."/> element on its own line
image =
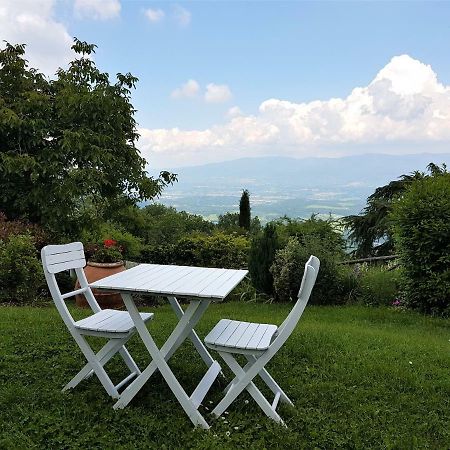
<point x="403" y="110"/>
<point x="97" y="9"/>
<point x="189" y="89"/>
<point x="217" y="93"/>
<point x="182" y="16"/>
<point x="234" y="111"/>
<point x="32" y="22"/>
<point x="154" y="15"/>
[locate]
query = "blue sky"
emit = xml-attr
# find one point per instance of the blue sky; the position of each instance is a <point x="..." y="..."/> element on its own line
<point x="295" y="53"/>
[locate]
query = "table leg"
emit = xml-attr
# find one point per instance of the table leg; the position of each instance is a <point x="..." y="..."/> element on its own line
<point x="201" y="349"/>
<point x="184" y="327"/>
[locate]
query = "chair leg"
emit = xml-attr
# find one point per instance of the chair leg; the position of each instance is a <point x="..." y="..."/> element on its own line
<point x="270" y="382"/>
<point x="243" y="381"/>
<point x="267" y="378"/>
<point x="104" y="355"/>
<point x="96" y="365"/>
<point x="129" y="361"/>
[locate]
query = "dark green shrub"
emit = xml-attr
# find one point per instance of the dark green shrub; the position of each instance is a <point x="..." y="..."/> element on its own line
<point x="163" y="224"/>
<point x="217" y="250"/>
<point x="21" y="276"/>
<point x="421" y="226"/>
<point x="378" y="285"/>
<point x="229" y="223"/>
<point x="157" y="254"/>
<point x="262" y="254"/>
<point x="324" y="230"/>
<point x="287" y="270"/>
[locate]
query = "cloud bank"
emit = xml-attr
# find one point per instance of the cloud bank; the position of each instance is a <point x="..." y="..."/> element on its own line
<point x="154" y="15"/>
<point x="32" y="22"/>
<point x="97" y="9"/>
<point x="405" y="109"/>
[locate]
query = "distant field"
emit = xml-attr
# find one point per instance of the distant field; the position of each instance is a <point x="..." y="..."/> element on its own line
<point x="360" y="378"/>
<point x="287" y="186"/>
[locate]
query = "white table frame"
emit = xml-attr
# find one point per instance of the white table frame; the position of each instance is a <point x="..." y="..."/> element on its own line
<point x="184" y="329"/>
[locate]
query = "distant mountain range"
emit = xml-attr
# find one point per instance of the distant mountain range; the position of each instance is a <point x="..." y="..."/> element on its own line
<point x="295" y="187"/>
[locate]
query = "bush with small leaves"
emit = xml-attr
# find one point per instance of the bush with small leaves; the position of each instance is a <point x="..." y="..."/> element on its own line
<point x="421" y="226"/>
<point x="218" y="250"/>
<point x="332" y="285"/>
<point x="379" y="285"/>
<point x="21" y="276"/>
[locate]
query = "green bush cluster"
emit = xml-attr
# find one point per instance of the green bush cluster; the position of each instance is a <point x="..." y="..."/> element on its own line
<point x="278" y="255"/>
<point x="216" y="250"/>
<point x="378" y="286"/>
<point x="21" y="276"/>
<point x="421" y="225"/>
<point x="332" y="285"/>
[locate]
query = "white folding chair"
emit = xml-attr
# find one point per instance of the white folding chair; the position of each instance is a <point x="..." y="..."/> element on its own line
<point x="116" y="326"/>
<point x="258" y="343"/>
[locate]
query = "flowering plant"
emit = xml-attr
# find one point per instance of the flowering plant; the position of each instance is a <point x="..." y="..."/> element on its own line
<point x="109" y="251"/>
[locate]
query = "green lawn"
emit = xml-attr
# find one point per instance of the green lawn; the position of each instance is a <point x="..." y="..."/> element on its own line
<point x="359" y="377"/>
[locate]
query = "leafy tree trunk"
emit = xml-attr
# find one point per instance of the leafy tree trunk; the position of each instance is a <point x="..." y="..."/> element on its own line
<point x="244" y="210"/>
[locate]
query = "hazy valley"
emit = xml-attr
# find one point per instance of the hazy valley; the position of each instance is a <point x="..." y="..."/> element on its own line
<point x="287" y="186"/>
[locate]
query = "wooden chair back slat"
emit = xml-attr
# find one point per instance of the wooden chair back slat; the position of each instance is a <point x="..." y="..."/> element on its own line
<point x="63" y="257"/>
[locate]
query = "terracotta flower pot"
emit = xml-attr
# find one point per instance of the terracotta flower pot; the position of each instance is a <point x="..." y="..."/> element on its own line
<point x="96" y="271"/>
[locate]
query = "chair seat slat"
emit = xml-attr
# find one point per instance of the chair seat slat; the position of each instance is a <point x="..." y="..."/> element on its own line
<point x="247" y="335"/>
<point x="227" y="333"/>
<point x="234" y="338"/>
<point x="109" y="321"/>
<point x="217" y="331"/>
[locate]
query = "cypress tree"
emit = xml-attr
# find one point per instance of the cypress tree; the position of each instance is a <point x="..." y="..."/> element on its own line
<point x="244" y="210"/>
<point x="261" y="256"/>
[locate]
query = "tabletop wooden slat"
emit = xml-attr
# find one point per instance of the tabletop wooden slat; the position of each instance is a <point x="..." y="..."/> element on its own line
<point x="178" y="281"/>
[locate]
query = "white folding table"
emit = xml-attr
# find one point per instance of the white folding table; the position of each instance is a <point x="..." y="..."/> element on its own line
<point x="201" y="286"/>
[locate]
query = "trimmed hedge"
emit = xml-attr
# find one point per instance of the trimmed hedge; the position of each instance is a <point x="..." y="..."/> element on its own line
<point x="421" y="225"/>
<point x="217" y="250"/>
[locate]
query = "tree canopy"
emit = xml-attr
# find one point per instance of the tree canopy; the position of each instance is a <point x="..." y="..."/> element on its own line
<point x="370" y="231"/>
<point x="68" y="146"/>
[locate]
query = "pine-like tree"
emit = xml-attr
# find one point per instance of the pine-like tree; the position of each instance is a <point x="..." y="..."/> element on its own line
<point x="262" y="254"/>
<point x="244" y="210"/>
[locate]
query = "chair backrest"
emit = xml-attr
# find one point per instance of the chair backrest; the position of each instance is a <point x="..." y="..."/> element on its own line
<point x="309" y="279"/>
<point x="55" y="259"/>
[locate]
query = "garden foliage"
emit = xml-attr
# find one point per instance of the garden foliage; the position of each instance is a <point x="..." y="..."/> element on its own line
<point x="216" y="250"/>
<point x="378" y="285"/>
<point x="261" y="256"/>
<point x="371" y="231"/>
<point x="297" y="241"/>
<point x="68" y="143"/>
<point x="21" y="275"/>
<point x="421" y="226"/>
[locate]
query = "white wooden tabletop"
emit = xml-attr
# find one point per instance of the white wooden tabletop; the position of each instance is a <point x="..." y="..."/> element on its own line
<point x="177" y="281"/>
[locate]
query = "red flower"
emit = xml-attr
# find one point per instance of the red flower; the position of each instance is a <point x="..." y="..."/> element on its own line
<point x="109" y="243"/>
